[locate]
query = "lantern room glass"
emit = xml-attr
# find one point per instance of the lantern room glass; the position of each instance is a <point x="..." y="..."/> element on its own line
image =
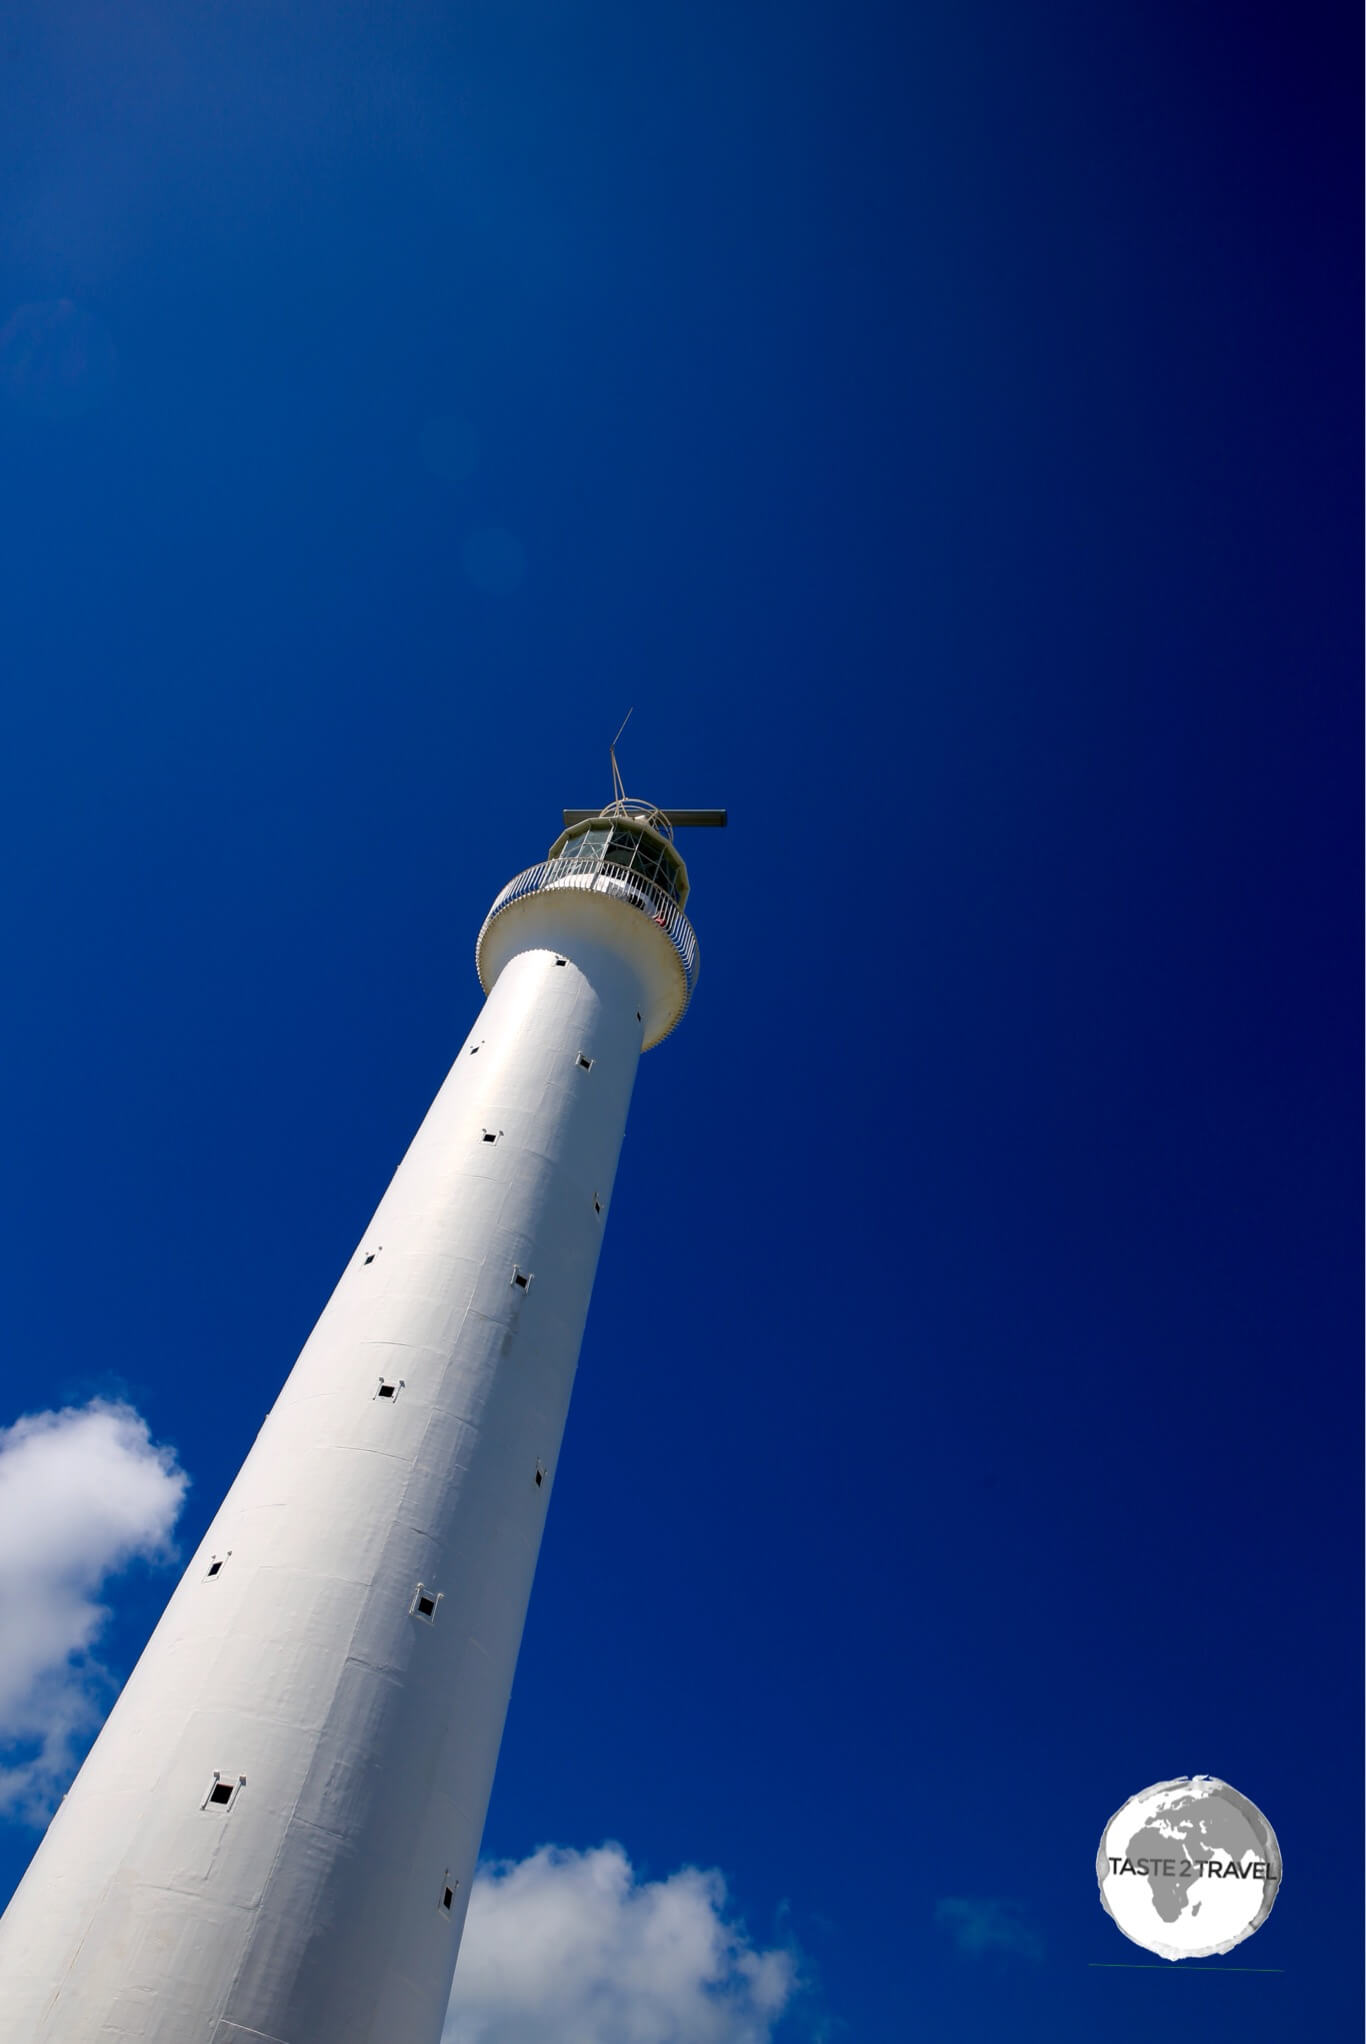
<point x="624" y="848"/>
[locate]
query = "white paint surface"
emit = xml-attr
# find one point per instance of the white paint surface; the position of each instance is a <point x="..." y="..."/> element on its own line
<point x="360" y="1740"/>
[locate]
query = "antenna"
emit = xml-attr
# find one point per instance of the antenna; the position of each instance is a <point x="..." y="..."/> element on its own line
<point x="622" y="805"/>
<point x="618" y="785"/>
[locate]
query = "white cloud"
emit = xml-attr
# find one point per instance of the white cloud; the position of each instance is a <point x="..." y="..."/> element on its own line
<point x="573" y="1948"/>
<point x="83" y="1492"/>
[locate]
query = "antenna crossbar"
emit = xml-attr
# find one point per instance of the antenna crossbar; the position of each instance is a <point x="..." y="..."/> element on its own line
<point x="680" y="819"/>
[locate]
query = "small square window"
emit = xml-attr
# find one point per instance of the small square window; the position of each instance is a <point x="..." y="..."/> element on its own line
<point x="475" y="1049"/>
<point x="540" y="1474"/>
<point x="562" y="961"/>
<point x="597" y="1204"/>
<point x="585" y="1063"/>
<point x="424" y="1604"/>
<point x="521" y="1278"/>
<point x="448" y="1888"/>
<point x="222" y="1793"/>
<point x="491" y="1135"/>
<point x="371" y="1257"/>
<point x="215" y="1566"/>
<point x="387" y="1388"/>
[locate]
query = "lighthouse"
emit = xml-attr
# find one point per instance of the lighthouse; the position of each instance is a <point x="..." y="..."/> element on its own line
<point x="273" y="1838"/>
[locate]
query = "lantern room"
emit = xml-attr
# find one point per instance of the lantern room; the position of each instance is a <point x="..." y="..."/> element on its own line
<point x="626" y="839"/>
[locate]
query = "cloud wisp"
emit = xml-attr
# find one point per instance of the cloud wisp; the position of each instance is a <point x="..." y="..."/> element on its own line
<point x="979" y="1924"/>
<point x="83" y="1492"/>
<point x="575" y="1948"/>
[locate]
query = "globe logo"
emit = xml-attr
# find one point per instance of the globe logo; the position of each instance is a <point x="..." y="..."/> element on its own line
<point x="1188" y="1868"/>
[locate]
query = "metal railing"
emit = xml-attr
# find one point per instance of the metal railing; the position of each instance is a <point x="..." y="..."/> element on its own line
<point x="626" y="809"/>
<point x="621" y="885"/>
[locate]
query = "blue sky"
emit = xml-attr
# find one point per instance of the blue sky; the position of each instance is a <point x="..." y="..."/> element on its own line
<point x="936" y="422"/>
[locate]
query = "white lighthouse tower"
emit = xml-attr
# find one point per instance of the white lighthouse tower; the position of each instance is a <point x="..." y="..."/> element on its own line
<point x="273" y="1838"/>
